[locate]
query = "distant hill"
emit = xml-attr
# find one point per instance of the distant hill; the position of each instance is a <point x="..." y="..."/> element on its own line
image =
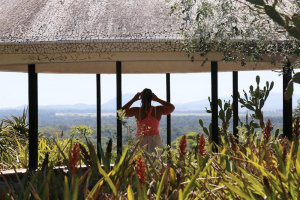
<point x="274" y="103"/>
<point x="111" y="104"/>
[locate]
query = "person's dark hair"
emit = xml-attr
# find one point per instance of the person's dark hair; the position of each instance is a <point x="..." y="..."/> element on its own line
<point x="146" y="97"/>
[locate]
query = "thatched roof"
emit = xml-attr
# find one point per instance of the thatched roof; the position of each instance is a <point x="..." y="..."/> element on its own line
<point x="89" y="36"/>
<point x="42" y="21"/>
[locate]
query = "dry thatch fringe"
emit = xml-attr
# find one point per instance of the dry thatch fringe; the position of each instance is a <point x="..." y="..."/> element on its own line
<point x="85" y="154"/>
<point x="182" y="147"/>
<point x="267" y="131"/>
<point x="74" y="158"/>
<point x="141" y="170"/>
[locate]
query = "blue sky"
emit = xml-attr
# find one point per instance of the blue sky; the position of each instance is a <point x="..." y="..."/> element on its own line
<point x="69" y="89"/>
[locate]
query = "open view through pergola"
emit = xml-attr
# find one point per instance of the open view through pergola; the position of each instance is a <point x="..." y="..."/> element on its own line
<point x="107" y="37"/>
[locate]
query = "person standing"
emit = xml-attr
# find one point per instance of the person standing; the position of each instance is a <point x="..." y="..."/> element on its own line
<point x="148" y="118"/>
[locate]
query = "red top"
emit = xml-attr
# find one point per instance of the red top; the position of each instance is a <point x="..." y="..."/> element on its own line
<point x="148" y="126"/>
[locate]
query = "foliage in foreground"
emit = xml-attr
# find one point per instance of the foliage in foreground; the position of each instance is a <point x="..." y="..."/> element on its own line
<point x="262" y="168"/>
<point x="14" y="148"/>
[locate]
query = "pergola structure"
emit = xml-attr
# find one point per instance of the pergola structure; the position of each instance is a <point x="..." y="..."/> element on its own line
<point x="106" y="37"/>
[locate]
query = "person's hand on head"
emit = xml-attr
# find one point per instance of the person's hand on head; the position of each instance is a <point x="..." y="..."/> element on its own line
<point x="154" y="97"/>
<point x="137" y="96"/>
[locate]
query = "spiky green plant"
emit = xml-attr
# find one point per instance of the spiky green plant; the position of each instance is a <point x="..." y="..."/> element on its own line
<point x="268" y="169"/>
<point x="256" y="100"/>
<point x="17" y="125"/>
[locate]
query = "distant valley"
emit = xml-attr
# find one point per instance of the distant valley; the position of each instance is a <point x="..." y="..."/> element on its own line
<point x="272" y="105"/>
<point x="185" y="119"/>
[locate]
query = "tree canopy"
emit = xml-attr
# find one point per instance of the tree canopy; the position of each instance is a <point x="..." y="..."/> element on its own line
<point x="242" y="30"/>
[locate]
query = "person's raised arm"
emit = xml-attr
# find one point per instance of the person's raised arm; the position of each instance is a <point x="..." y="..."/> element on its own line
<point x="166" y="107"/>
<point x="130" y="112"/>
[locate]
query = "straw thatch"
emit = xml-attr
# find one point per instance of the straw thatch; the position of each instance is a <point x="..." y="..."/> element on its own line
<point x="42" y="21"/>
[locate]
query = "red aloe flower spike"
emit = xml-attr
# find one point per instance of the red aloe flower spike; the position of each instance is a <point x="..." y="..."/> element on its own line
<point x="202" y="145"/>
<point x="141" y="170"/>
<point x="267" y="131"/>
<point x="74" y="158"/>
<point x="296" y="128"/>
<point x="182" y="146"/>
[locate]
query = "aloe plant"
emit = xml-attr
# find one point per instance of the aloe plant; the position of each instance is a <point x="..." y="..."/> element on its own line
<point x="17" y="125"/>
<point x="268" y="169"/>
<point x="262" y="167"/>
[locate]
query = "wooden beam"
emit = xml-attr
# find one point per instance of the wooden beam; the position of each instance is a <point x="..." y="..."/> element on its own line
<point x="98" y="88"/>
<point x="132" y="62"/>
<point x="235" y="103"/>
<point x="169" y="115"/>
<point x="33" y="117"/>
<point x="287" y="105"/>
<point x="214" y="100"/>
<point x="119" y="106"/>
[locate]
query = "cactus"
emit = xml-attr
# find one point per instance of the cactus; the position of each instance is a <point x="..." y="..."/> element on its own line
<point x="255" y="101"/>
<point x="225" y="114"/>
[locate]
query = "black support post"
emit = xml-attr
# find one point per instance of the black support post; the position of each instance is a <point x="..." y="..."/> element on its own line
<point x="235" y="103"/>
<point x="98" y="88"/>
<point x="33" y="117"/>
<point x="214" y="100"/>
<point x="287" y="104"/>
<point x="119" y="106"/>
<point x="169" y="115"/>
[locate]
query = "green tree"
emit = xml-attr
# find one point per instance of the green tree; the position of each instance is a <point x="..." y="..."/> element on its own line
<point x="83" y="129"/>
<point x="286" y="14"/>
<point x="191" y="140"/>
<point x="244" y="30"/>
<point x="232" y="27"/>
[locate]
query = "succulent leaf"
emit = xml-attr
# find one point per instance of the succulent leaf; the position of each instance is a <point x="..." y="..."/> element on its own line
<point x="222" y="115"/>
<point x="201" y="122"/>
<point x="257" y="80"/>
<point x="226" y="106"/>
<point x="228" y="115"/>
<point x="296" y="77"/>
<point x="220" y="103"/>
